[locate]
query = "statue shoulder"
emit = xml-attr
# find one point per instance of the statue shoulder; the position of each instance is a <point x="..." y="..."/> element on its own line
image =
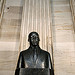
<point x="44" y="51"/>
<point x="24" y="51"/>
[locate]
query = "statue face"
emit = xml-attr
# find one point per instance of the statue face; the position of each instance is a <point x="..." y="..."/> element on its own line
<point x="34" y="39"/>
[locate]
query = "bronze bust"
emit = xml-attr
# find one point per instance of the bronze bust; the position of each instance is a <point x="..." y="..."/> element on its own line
<point x="34" y="56"/>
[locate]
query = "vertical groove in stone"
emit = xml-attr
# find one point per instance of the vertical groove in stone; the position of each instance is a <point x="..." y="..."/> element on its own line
<point x="72" y="5"/>
<point x="2" y="5"/>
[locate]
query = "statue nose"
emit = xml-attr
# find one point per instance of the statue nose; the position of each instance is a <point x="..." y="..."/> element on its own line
<point x="35" y="39"/>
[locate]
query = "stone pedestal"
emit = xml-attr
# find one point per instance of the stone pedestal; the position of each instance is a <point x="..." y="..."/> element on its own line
<point x="34" y="71"/>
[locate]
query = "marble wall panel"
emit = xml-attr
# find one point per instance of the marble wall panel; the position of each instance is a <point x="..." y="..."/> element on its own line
<point x="6" y="72"/>
<point x="9" y="36"/>
<point x="7" y="60"/>
<point x="9" y="45"/>
<point x="63" y="38"/>
<point x="36" y="17"/>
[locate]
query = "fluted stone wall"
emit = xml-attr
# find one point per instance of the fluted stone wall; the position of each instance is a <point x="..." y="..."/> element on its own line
<point x="36" y="17"/>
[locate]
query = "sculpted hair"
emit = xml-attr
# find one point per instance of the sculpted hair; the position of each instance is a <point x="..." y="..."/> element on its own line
<point x="31" y="34"/>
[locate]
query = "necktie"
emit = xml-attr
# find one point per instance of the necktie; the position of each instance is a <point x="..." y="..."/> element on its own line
<point x="34" y="56"/>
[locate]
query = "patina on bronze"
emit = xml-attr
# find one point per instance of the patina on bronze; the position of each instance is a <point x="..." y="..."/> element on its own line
<point x="34" y="56"/>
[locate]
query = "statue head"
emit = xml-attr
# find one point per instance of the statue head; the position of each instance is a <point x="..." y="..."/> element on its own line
<point x="33" y="38"/>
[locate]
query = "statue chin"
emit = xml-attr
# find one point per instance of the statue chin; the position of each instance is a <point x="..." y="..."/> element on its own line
<point x="35" y="44"/>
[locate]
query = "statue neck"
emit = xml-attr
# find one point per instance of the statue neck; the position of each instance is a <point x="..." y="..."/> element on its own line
<point x="35" y="47"/>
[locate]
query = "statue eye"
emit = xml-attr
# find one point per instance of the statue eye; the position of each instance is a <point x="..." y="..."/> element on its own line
<point x="31" y="36"/>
